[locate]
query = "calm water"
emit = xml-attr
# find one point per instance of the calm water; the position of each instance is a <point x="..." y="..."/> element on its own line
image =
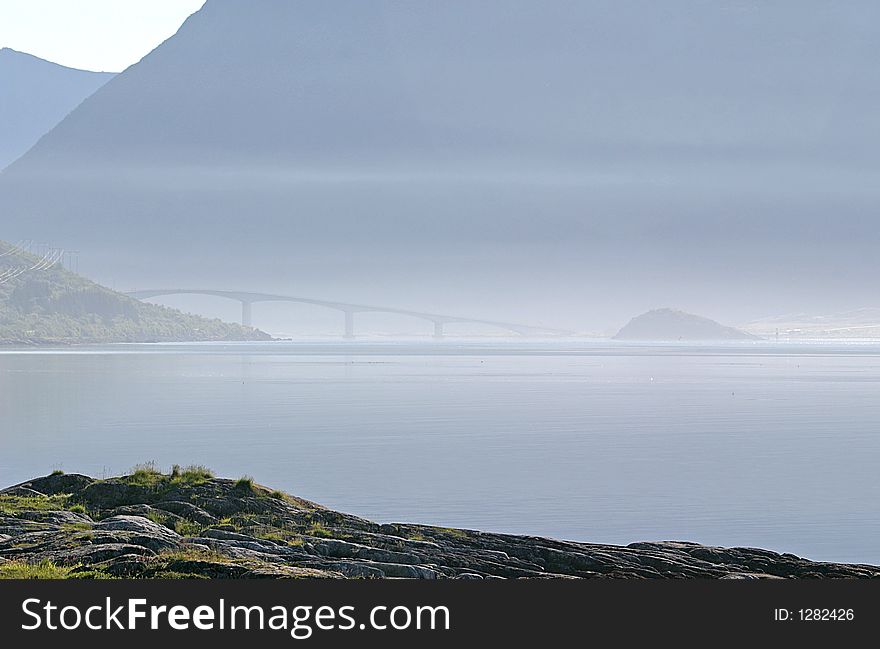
<point x="763" y="445"/>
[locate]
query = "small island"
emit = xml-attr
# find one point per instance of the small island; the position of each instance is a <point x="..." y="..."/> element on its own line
<point x="674" y="325"/>
<point x="189" y="524"/>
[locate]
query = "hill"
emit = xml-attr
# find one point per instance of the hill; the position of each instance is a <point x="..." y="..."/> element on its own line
<point x="465" y="148"/>
<point x="189" y="524"/>
<point x="43" y="303"/>
<point x="669" y="324"/>
<point x="34" y="96"/>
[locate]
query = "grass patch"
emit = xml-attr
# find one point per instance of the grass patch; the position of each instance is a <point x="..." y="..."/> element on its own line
<point x="42" y="570"/>
<point x="76" y="527"/>
<point x="279" y="535"/>
<point x="270" y="535"/>
<point x="78" y="508"/>
<point x="459" y="534"/>
<point x="173" y="574"/>
<point x="56" y="472"/>
<point x="11" y="505"/>
<point x="158" y="518"/>
<point x="240" y="520"/>
<point x="318" y="529"/>
<point x="47" y="570"/>
<point x="88" y="573"/>
<point x="278" y="495"/>
<point x="187" y="528"/>
<point x="188" y="554"/>
<point x="146" y="475"/>
<point x="244" y="484"/>
<point x="191" y="475"/>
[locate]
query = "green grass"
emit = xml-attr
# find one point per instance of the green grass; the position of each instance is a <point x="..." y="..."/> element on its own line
<point x="187" y="528"/>
<point x="278" y="495"/>
<point x="182" y="526"/>
<point x="278" y="534"/>
<point x="47" y="570"/>
<point x="11" y="505"/>
<point x="42" y="570"/>
<point x="241" y="520"/>
<point x="146" y="475"/>
<point x="76" y="527"/>
<point x="318" y="529"/>
<point x="188" y="554"/>
<point x="459" y="534"/>
<point x="191" y="475"/>
<point x="56" y="472"/>
<point x="173" y="574"/>
<point x="158" y="517"/>
<point x="245" y="484"/>
<point x="171" y="564"/>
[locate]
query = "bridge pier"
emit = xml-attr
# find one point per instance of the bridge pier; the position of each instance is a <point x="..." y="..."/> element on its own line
<point x="247" y="319"/>
<point x="349" y="325"/>
<point x="438" y="329"/>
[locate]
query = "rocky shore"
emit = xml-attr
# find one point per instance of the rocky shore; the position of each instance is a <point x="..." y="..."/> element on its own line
<point x="189" y="524"/>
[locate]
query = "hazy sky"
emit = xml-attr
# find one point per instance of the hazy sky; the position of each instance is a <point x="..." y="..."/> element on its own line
<point x="100" y="35"/>
<point x="568" y="163"/>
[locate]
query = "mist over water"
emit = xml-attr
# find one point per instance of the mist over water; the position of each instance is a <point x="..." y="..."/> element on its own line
<point x="577" y="163"/>
<point x="752" y="444"/>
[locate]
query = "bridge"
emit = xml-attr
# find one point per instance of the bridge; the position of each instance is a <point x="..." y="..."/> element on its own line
<point x="349" y="310"/>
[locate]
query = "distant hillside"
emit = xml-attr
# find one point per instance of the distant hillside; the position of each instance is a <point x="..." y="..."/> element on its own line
<point x="669" y="324"/>
<point x="34" y="96"/>
<point x="861" y="324"/>
<point x="42" y="303"/>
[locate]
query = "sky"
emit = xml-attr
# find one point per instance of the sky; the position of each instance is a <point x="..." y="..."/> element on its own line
<point x="98" y="35"/>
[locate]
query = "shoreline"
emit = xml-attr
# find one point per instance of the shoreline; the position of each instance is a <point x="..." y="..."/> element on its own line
<point x="189" y="524"/>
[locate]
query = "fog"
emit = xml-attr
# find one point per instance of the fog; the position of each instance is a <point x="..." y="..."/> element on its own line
<point x="569" y="164"/>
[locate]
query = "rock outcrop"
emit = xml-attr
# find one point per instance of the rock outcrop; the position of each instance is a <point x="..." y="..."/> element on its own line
<point x="191" y="525"/>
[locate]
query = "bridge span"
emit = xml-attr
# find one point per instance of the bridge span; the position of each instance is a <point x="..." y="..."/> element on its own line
<point x="349" y="310"/>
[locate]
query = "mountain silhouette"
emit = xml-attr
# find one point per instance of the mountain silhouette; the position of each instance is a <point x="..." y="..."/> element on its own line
<point x="470" y="155"/>
<point x="34" y="96"/>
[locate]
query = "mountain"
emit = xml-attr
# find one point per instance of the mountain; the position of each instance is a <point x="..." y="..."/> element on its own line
<point x="501" y="158"/>
<point x="43" y="303"/>
<point x="34" y="96"/>
<point x="669" y="324"/>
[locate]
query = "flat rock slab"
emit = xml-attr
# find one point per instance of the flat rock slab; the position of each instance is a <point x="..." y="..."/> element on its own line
<point x="90" y="554"/>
